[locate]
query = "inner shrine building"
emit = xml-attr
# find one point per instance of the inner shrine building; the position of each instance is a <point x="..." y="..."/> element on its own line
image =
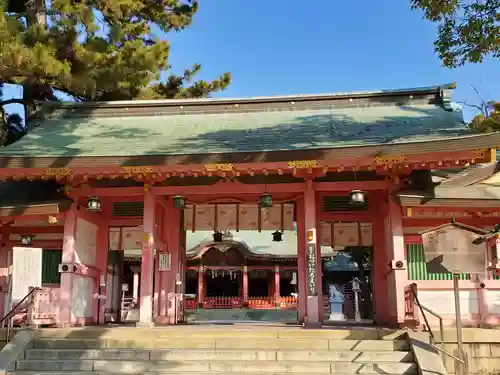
<point x="267" y="203"/>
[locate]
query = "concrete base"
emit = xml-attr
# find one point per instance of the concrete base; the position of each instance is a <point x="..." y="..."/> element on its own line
<point x="337" y="317"/>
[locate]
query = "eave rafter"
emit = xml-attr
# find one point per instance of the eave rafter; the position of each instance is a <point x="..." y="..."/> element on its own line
<point x="387" y="164"/>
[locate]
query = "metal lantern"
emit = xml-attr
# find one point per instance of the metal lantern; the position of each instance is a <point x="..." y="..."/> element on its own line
<point x="94" y="204"/>
<point x="357" y="197"/>
<point x="27" y="239"/>
<point x="218" y="236"/>
<point x="266" y="200"/>
<point x="227" y="236"/>
<point x="277" y="236"/>
<point x="179" y="201"/>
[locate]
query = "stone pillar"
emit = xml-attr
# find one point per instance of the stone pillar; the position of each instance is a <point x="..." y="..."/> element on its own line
<point x="245" y="285"/>
<point x="313" y="256"/>
<point x="147" y="262"/>
<point x="136" y="270"/>
<point x="201" y="285"/>
<point x="68" y="256"/>
<point x="277" y="279"/>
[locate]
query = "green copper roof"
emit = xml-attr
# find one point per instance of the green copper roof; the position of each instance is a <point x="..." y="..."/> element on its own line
<point x="210" y="126"/>
<point x="243" y="132"/>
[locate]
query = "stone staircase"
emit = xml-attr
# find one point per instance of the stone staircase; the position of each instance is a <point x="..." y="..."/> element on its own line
<point x="217" y="349"/>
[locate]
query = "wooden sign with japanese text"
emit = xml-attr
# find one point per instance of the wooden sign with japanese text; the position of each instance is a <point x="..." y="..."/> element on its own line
<point x="450" y="248"/>
<point x="26" y="271"/>
<point x="311" y="269"/>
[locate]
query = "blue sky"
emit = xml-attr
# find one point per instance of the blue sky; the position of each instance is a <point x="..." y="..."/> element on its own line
<point x="290" y="47"/>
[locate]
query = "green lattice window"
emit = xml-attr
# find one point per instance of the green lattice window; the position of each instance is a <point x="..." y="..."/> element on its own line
<point x="417" y="267"/>
<point x="50" y="266"/>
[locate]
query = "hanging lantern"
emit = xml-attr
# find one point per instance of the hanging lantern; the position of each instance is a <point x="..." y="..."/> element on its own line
<point x="357" y="197"/>
<point x="94" y="204"/>
<point x="27" y="239"/>
<point x="266" y="200"/>
<point x="277" y="236"/>
<point x="179" y="201"/>
<point x="217" y="236"/>
<point x="227" y="236"/>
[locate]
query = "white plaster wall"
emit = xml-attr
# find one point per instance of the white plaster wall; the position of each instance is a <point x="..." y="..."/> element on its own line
<point x="442" y="301"/>
<point x="85" y="242"/>
<point x="81" y="298"/>
<point x="492" y="299"/>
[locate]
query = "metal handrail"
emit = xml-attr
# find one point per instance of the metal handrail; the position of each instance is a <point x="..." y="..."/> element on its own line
<point x="8" y="317"/>
<point x="423" y="310"/>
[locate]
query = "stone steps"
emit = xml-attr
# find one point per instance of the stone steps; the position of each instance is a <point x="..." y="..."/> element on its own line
<point x="266" y="367"/>
<point x="219" y="355"/>
<point x="147" y="373"/>
<point x="223" y="343"/>
<point x="209" y="350"/>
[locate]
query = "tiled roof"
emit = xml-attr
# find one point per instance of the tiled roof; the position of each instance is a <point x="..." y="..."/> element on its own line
<point x="279" y="124"/>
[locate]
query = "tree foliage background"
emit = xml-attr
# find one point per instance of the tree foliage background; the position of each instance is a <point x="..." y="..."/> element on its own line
<point x="488" y="120"/>
<point x="469" y="30"/>
<point x="96" y="50"/>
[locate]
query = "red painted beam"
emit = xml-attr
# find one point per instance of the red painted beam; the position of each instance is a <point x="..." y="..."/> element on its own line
<point x="346" y="186"/>
<point x="236" y="189"/>
<point x="125" y="222"/>
<point x="216" y="189"/>
<point x="36" y="230"/>
<point x="334" y="163"/>
<point x="44" y="244"/>
<point x="412" y="239"/>
<point x="109" y="192"/>
<point x="20" y="219"/>
<point x="487" y="221"/>
<point x="346" y="216"/>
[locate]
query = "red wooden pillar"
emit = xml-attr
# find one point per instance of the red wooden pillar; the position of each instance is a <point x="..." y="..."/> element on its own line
<point x="159" y="243"/>
<point x="398" y="275"/>
<point x="147" y="261"/>
<point x="380" y="262"/>
<point x="245" y="285"/>
<point x="5" y="248"/>
<point x="68" y="256"/>
<point x="301" y="262"/>
<point x="313" y="252"/>
<point x="102" y="251"/>
<point x="173" y="226"/>
<point x="277" y="292"/>
<point x="270" y="284"/>
<point x="201" y="284"/>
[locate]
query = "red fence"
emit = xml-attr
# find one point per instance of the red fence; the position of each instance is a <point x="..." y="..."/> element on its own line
<point x="237" y="302"/>
<point x="44" y="309"/>
<point x="261" y="303"/>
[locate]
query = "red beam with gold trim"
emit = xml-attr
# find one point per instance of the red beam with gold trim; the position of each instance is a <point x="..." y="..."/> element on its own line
<point x="387" y="162"/>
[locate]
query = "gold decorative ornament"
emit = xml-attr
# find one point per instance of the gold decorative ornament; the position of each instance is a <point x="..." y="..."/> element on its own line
<point x="141" y="170"/>
<point x="302" y="164"/>
<point x="224" y="167"/>
<point x="479" y="154"/>
<point x="390" y="159"/>
<point x="57" y="172"/>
